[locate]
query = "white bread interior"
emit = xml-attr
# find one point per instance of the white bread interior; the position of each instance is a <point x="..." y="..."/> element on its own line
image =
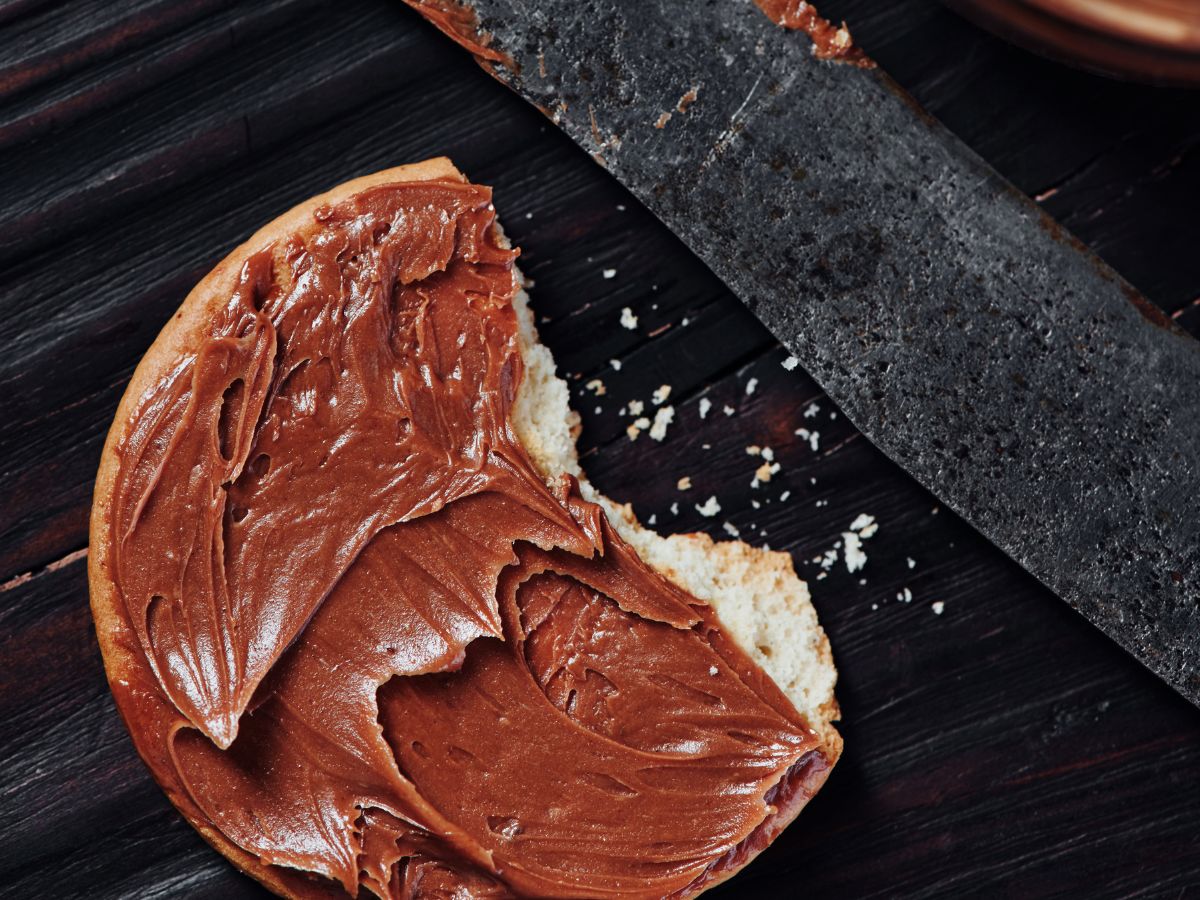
<point x="756" y="593"/>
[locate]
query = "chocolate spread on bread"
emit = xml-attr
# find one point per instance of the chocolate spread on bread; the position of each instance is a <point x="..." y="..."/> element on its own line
<point x="375" y="650"/>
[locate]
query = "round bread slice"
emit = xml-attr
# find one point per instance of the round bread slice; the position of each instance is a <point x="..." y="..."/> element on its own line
<point x="756" y="594"/>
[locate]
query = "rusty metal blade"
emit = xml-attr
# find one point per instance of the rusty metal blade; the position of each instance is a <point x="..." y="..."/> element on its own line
<point x="976" y="343"/>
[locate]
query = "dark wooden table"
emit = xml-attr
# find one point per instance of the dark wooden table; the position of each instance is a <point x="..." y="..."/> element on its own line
<point x="1002" y="747"/>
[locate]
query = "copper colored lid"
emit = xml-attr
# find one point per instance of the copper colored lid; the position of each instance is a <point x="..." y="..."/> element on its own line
<point x="1150" y="40"/>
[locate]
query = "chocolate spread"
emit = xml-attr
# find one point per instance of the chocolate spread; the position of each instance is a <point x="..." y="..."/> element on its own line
<point x="830" y="41"/>
<point x="459" y="22"/>
<point x="377" y="646"/>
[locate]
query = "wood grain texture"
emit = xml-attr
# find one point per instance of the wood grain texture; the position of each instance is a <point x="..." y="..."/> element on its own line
<point x="1003" y="747"/>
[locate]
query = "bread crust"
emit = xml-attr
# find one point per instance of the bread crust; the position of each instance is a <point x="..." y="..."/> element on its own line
<point x="181" y="337"/>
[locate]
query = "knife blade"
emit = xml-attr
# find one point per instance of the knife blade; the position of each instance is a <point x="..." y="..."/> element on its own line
<point x="964" y="332"/>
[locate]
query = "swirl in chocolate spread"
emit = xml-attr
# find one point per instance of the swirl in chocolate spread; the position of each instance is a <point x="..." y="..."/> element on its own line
<point x="377" y="646"/>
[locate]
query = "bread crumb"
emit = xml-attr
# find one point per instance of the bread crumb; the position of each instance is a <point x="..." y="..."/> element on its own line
<point x="813" y="438"/>
<point x="609" y="273"/>
<point x="596" y="386"/>
<point x="636" y="428"/>
<point x="756" y="504"/>
<point x="764" y="472"/>
<point x="730" y="529"/>
<point x="598" y="410"/>
<point x="768" y="454"/>
<point x="616" y="364"/>
<point x="710" y="508"/>
<point x="662" y="418"/>
<point x="628" y="319"/>
<point x="684" y="322"/>
<point x="684" y="484"/>
<point x="620" y="207"/>
<point x="938" y="607"/>
<point x="810" y="411"/>
<point x="855" y="558"/>
<point x="912" y="563"/>
<point x="753" y="450"/>
<point x="861" y="521"/>
<point x="713" y="670"/>
<point x="705" y="406"/>
<point x="728" y="410"/>
<point x="821" y="503"/>
<point x="675" y="508"/>
<point x="751" y="386"/>
<point x="652" y="520"/>
<point x="636" y="407"/>
<point x="905" y="596"/>
<point x="790" y="363"/>
<point x="863" y="527"/>
<point x="783" y="497"/>
<point x="660" y="395"/>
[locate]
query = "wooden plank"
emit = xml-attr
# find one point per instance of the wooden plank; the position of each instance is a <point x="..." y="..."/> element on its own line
<point x="56" y="40"/>
<point x="56" y="104"/>
<point x="81" y="815"/>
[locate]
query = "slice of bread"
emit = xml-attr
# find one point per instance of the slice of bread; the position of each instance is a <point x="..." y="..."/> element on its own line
<point x="759" y="599"/>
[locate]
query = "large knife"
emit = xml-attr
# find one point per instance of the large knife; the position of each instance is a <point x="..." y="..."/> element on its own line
<point x="963" y="331"/>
